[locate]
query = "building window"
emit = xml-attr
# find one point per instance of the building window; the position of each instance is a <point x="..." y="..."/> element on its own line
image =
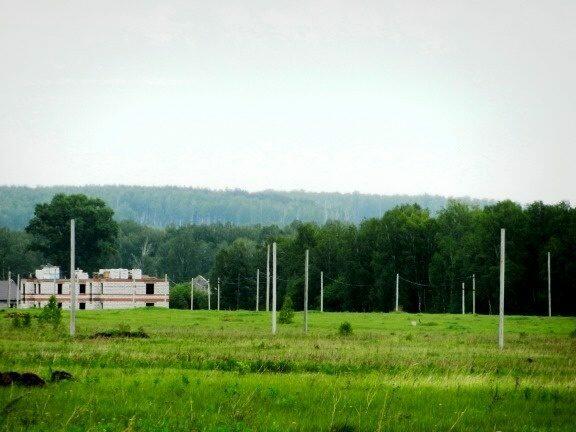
<point x="82" y="306"/>
<point x="149" y="304"/>
<point x="150" y="288"/>
<point x="82" y="288"/>
<point x="38" y="288"/>
<point x="60" y="304"/>
<point x="60" y="289"/>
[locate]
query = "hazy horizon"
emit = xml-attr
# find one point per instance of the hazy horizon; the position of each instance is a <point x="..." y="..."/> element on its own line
<point x="232" y="189"/>
<point x="380" y="97"/>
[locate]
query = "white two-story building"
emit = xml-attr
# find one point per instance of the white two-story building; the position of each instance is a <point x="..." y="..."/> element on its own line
<point x="107" y="289"/>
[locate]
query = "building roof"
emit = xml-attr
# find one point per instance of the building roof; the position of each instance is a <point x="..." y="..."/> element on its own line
<point x="201" y="282"/>
<point x="96" y="279"/>
<point x="4" y="290"/>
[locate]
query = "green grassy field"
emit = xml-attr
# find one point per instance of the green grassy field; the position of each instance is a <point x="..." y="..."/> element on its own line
<point x="223" y="371"/>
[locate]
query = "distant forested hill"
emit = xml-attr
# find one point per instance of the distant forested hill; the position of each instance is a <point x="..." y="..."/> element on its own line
<point x="169" y="205"/>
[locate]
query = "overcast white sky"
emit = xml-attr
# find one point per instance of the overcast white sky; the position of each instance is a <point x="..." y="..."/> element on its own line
<point x="449" y="97"/>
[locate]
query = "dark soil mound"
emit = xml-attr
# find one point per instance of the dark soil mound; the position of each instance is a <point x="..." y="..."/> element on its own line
<point x="31" y="380"/>
<point x="27" y="379"/>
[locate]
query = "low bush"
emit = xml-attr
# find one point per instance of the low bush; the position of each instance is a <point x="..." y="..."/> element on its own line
<point x="16" y="321"/>
<point x="345" y="329"/>
<point x="286" y="315"/>
<point x="51" y="314"/>
<point x="123" y="331"/>
<point x="21" y="319"/>
<point x="344" y="427"/>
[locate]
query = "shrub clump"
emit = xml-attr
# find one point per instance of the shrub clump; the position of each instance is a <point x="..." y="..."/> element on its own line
<point x="345" y="329"/>
<point x="286" y="315"/>
<point x="343" y="427"/>
<point x="51" y="314"/>
<point x="123" y="331"/>
<point x="21" y="319"/>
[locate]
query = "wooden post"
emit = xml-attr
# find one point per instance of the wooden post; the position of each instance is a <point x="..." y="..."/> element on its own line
<point x="321" y="291"/>
<point x="549" y="287"/>
<point x="257" y="289"/>
<point x="474" y="294"/>
<point x="218" y="299"/>
<point x="397" y="290"/>
<point x="8" y="299"/>
<point x="267" y="278"/>
<point x="209" y="295"/>
<point x="274" y="288"/>
<point x="463" y="299"/>
<point x="306" y="291"/>
<point x="72" y="277"/>
<point x="502" y="282"/>
<point x="192" y="294"/>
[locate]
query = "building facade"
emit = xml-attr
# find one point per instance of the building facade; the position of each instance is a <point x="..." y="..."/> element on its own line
<point x="107" y="289"/>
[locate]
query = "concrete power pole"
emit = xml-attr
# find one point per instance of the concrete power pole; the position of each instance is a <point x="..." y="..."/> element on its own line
<point x="474" y="294"/>
<point x="502" y="282"/>
<point x="8" y="293"/>
<point x="267" y="278"/>
<point x="133" y="292"/>
<point x="218" y="299"/>
<point x="209" y="295"/>
<point x="549" y="287"/>
<point x="307" y="254"/>
<point x="463" y="299"/>
<point x="18" y="294"/>
<point x="257" y="289"/>
<point x="192" y="294"/>
<point x="274" y="288"/>
<point x="321" y="291"/>
<point x="397" y="290"/>
<point x="72" y="277"/>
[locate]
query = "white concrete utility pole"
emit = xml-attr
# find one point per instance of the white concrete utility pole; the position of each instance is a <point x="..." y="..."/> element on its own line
<point x="474" y="294"/>
<point x="72" y="277"/>
<point x="307" y="254"/>
<point x="321" y="291"/>
<point x="168" y="290"/>
<point x="218" y="295"/>
<point x="549" y="287"/>
<point x="18" y="294"/>
<point x="192" y="294"/>
<point x="257" y="289"/>
<point x="209" y="295"/>
<point x="502" y="282"/>
<point x="274" y="288"/>
<point x="463" y="299"/>
<point x="267" y="278"/>
<point x="397" y="290"/>
<point x="8" y="299"/>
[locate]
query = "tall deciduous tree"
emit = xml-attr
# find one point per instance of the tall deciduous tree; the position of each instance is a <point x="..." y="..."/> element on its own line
<point x="96" y="230"/>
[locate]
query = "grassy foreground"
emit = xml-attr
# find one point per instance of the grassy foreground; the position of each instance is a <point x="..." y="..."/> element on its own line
<point x="223" y="371"/>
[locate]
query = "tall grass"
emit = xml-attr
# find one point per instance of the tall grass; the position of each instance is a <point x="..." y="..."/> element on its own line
<point x="224" y="371"/>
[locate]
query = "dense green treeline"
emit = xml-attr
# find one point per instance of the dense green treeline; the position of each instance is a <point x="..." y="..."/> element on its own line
<point x="170" y="205"/>
<point x="433" y="255"/>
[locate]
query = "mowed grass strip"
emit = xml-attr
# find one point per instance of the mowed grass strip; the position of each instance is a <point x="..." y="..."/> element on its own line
<point x="224" y="371"/>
